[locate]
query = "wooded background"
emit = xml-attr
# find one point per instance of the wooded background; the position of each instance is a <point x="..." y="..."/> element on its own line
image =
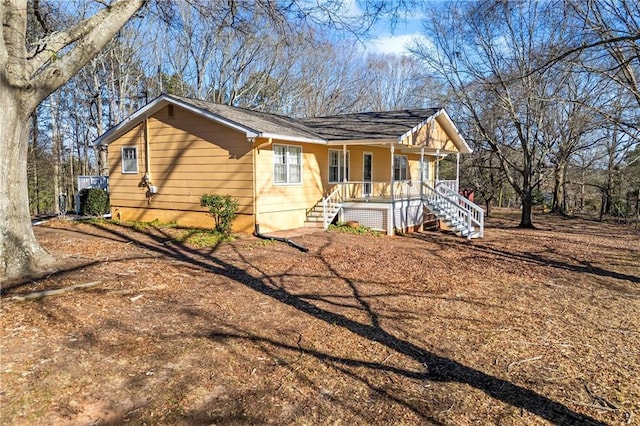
<point x="545" y="92"/>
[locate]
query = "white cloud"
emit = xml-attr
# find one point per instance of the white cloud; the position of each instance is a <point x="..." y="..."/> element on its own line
<point x="394" y="44"/>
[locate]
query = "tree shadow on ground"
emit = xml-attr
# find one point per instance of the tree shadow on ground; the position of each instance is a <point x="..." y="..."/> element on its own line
<point x="581" y="266"/>
<point x="436" y="368"/>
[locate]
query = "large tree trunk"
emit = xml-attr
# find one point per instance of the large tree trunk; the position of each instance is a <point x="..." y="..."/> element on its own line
<point x="27" y="77"/>
<point x="19" y="251"/>
<point x="526" y="220"/>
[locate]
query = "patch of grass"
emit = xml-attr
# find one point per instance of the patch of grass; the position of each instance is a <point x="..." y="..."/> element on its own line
<point x="94" y="221"/>
<point x="357" y="230"/>
<point x="141" y="226"/>
<point x="202" y="237"/>
<point x="261" y="243"/>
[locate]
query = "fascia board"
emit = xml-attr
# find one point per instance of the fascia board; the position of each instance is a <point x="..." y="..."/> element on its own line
<point x="372" y="142"/>
<point x="291" y="138"/>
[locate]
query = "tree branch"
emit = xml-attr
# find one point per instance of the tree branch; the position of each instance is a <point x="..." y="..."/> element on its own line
<point x="12" y="49"/>
<point x="90" y="36"/>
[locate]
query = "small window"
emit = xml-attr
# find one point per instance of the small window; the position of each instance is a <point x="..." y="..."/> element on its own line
<point x="129" y="159"/>
<point x="287" y="164"/>
<point x="400" y="164"/>
<point x="336" y="160"/>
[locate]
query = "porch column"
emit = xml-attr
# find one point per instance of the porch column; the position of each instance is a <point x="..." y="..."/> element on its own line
<point x="392" y="154"/>
<point x="421" y="169"/>
<point x="344" y="170"/>
<point x="344" y="163"/>
<point x="458" y="172"/>
<point x="437" y="167"/>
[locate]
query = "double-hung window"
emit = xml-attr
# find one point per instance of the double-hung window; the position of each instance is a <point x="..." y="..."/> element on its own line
<point x="337" y="172"/>
<point x="287" y="164"/>
<point x="129" y="159"/>
<point x="400" y="164"/>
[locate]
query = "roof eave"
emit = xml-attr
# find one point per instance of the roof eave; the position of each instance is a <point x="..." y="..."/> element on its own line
<point x="385" y="141"/>
<point x="289" y="138"/>
<point x="459" y="141"/>
<point x="445" y="121"/>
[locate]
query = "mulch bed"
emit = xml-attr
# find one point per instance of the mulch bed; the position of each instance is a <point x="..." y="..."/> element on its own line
<point x="521" y="327"/>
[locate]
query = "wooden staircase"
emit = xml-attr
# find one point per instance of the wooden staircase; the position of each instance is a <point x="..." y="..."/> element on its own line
<point x="325" y="210"/>
<point x="454" y="211"/>
<point x="316" y="218"/>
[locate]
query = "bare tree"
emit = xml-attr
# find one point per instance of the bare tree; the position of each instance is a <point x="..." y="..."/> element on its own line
<point x="29" y="72"/>
<point x="488" y="53"/>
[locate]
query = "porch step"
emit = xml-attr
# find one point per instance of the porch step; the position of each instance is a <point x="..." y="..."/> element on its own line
<point x="447" y="216"/>
<point x="315" y="217"/>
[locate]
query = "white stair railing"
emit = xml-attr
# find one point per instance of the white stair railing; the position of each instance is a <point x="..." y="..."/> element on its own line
<point x="330" y="201"/>
<point x="462" y="214"/>
<point x="476" y="212"/>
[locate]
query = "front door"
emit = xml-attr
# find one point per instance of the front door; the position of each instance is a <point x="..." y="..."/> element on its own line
<point x="367" y="174"/>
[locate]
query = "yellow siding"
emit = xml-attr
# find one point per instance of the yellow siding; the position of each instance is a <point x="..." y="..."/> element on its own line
<point x="285" y="206"/>
<point x="432" y="136"/>
<point x="189" y="156"/>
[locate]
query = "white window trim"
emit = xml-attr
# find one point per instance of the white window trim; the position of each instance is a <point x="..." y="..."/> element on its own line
<point x="287" y="165"/>
<point x="406" y="168"/>
<point x="129" y="172"/>
<point x="340" y="156"/>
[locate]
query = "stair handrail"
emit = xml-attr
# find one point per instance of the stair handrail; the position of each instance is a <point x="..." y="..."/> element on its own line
<point x="460" y="211"/>
<point x="334" y="196"/>
<point x="476" y="212"/>
<point x="464" y="215"/>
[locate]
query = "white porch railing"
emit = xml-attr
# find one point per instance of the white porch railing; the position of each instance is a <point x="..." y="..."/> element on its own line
<point x="402" y="189"/>
<point x="467" y="217"/>
<point x="451" y="184"/>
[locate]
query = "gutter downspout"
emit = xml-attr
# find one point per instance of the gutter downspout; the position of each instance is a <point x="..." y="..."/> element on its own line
<point x="147" y="149"/>
<point x="284" y="240"/>
<point x="391" y="223"/>
<point x="254" y="191"/>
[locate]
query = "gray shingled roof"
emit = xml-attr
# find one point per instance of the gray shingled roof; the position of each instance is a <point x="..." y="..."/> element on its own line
<point x="368" y="125"/>
<point x="365" y="125"/>
<point x="260" y="122"/>
<point x="361" y="126"/>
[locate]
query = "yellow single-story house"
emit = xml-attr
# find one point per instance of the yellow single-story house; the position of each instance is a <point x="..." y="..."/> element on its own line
<point x="377" y="168"/>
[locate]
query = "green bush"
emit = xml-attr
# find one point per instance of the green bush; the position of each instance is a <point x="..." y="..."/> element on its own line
<point x="359" y="229"/>
<point x="223" y="209"/>
<point x="94" y="202"/>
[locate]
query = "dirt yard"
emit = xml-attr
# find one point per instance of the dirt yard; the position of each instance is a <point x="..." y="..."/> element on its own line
<point x="522" y="327"/>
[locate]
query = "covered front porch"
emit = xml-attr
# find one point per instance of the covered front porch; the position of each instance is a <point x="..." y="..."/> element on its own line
<point x="384" y="172"/>
<point x="401" y="206"/>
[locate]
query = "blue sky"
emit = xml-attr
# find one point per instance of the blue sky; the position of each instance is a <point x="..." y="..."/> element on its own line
<point x="389" y="39"/>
